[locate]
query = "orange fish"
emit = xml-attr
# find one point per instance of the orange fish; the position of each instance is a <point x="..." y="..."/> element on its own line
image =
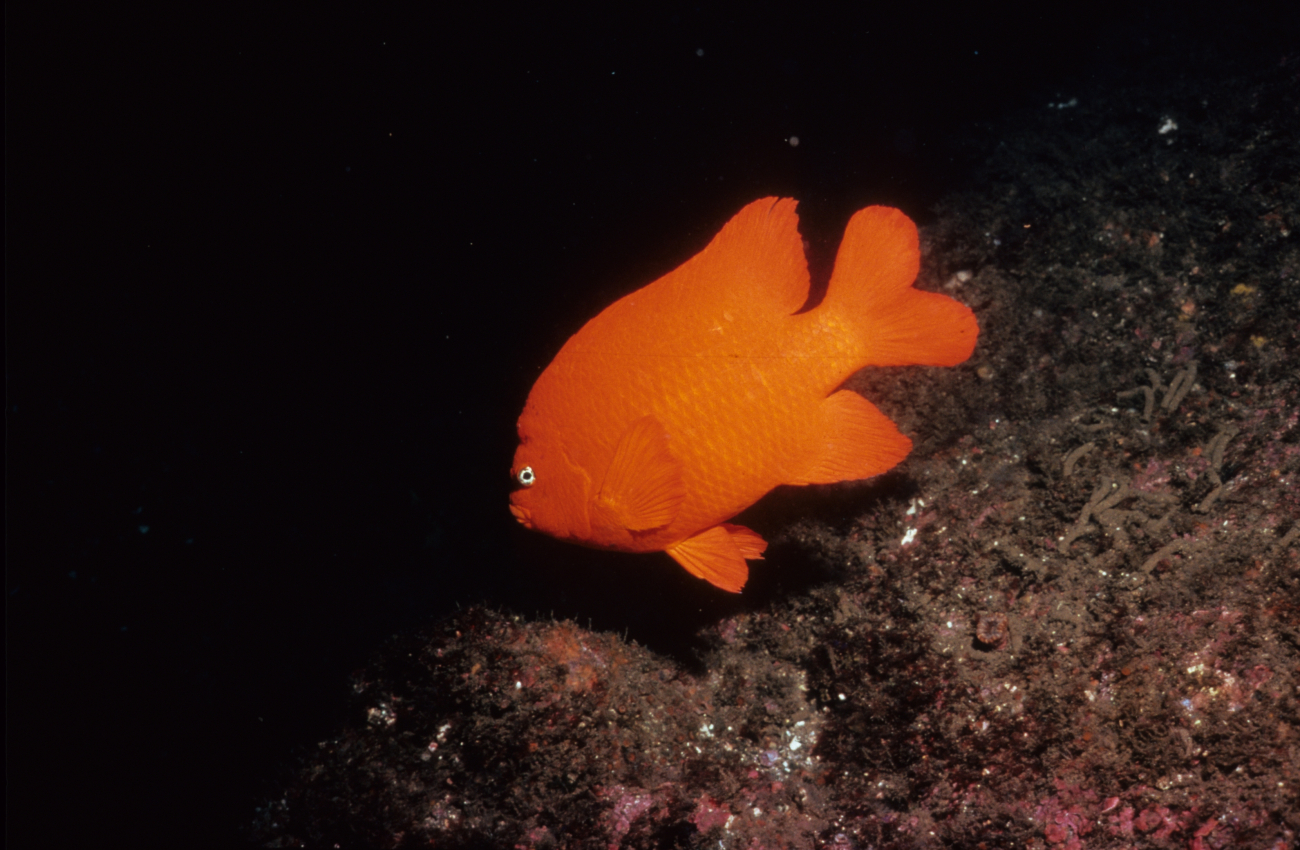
<point x="682" y="404"/>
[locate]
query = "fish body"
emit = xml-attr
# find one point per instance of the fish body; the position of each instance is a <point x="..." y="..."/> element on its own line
<point x="683" y="403"/>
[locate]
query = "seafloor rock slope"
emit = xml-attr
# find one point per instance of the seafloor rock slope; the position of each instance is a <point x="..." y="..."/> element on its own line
<point x="1069" y="620"/>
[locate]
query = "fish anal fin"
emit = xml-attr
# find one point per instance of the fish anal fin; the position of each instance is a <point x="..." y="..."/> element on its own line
<point x="852" y="440"/>
<point x="643" y="487"/>
<point x="718" y="555"/>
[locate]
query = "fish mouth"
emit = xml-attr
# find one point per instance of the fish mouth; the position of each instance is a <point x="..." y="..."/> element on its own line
<point x="522" y="515"/>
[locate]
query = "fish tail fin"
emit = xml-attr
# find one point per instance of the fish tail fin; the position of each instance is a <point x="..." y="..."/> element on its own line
<point x="871" y="287"/>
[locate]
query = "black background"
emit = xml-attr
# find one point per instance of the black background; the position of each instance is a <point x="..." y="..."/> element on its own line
<point x="278" y="283"/>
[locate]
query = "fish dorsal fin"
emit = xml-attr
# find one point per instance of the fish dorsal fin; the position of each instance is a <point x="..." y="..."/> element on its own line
<point x="718" y="555"/>
<point x="643" y="487"/>
<point x="852" y="439"/>
<point x="757" y="258"/>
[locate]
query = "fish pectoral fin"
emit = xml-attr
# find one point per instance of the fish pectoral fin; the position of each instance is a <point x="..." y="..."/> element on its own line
<point x="718" y="555"/>
<point x="643" y="487"/>
<point x="852" y="439"/>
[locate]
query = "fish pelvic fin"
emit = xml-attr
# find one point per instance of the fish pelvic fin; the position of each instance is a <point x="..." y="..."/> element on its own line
<point x="852" y="439"/>
<point x="871" y="287"/>
<point x="718" y="555"/>
<point x="643" y="487"/>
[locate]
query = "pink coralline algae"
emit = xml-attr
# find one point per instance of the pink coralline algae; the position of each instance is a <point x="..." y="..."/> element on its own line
<point x="1067" y="816"/>
<point x="709" y="814"/>
<point x="626" y="805"/>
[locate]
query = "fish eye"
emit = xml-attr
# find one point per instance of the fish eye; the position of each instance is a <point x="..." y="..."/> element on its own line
<point x="526" y="477"/>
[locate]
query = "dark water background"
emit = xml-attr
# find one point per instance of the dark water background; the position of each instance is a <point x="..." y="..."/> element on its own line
<point x="278" y="284"/>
